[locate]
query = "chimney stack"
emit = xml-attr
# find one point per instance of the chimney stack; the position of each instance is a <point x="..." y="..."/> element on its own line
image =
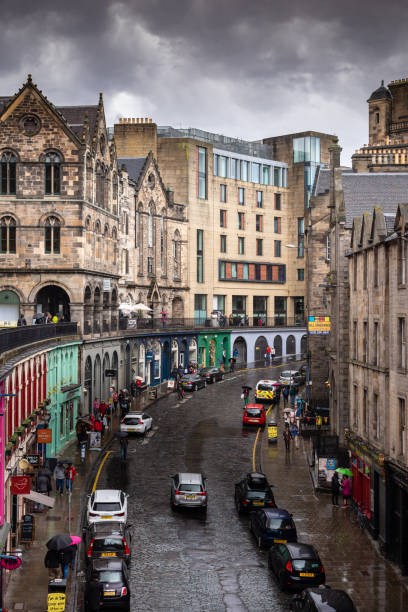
<point x="135" y="137"/>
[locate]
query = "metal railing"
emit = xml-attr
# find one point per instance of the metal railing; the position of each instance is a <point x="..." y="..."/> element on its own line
<point x="130" y="324"/>
<point x="14" y="337"/>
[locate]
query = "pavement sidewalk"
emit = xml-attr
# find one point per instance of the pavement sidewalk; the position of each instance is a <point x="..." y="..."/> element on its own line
<point x="27" y="587"/>
<point x="351" y="561"/>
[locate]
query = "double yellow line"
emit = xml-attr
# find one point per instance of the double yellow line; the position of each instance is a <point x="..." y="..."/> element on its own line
<point x="99" y="471"/>
<point x="256" y="441"/>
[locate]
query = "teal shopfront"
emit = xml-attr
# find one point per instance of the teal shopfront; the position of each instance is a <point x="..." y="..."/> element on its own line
<point x="213" y="348"/>
<point x="63" y="392"/>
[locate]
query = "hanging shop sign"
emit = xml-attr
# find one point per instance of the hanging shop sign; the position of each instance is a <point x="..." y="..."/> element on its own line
<point x="20" y="485"/>
<point x="44" y="436"/>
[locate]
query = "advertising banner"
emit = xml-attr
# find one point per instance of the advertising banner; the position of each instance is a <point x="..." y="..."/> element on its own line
<point x="319" y="325"/>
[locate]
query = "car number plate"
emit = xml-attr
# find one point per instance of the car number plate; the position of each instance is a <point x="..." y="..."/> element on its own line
<point x="109" y="554"/>
<point x="280" y="541"/>
<point x="190" y="497"/>
<point x="258" y="503"/>
<point x="131" y="429"/>
<point x="109" y="593"/>
<point x="252" y="420"/>
<point x="306" y="575"/>
<point x="107" y="518"/>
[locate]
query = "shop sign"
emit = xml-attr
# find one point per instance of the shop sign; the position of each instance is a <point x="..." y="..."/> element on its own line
<point x="33" y="459"/>
<point x="319" y="325"/>
<point x="44" y="436"/>
<point x="171" y="383"/>
<point x="9" y="562"/>
<point x="331" y="464"/>
<point x="56" y="602"/>
<point x="106" y="284"/>
<point x="20" y="485"/>
<point x="149" y="355"/>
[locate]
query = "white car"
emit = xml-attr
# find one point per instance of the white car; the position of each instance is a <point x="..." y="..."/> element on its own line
<point x="107" y="505"/>
<point x="136" y="422"/>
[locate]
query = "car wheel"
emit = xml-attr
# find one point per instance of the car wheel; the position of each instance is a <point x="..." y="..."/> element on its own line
<point x="195" y="388"/>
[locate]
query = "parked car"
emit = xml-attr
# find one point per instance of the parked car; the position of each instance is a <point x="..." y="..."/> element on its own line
<point x="265" y="390"/>
<point x="253" y="492"/>
<point x="192" y="382"/>
<point x="291" y="377"/>
<point x="254" y="414"/>
<point x="296" y="565"/>
<point x="272" y="526"/>
<point x="108" y="539"/>
<point x="322" y="599"/>
<point x="107" y="505"/>
<point x="136" y="422"/>
<point x="113" y="574"/>
<point x="189" y="490"/>
<point x="210" y="375"/>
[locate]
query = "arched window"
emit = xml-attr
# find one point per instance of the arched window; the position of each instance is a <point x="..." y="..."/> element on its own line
<point x="8" y="235"/>
<point x="126" y="223"/>
<point x="125" y="261"/>
<point x="52" y="173"/>
<point x="8" y="173"/>
<point x="162" y="242"/>
<point x="150" y="229"/>
<point x="52" y="237"/>
<point x="106" y="243"/>
<point x="115" y="246"/>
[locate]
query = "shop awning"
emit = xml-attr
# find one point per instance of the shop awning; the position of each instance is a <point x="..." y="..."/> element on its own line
<point x="39" y="498"/>
<point x="4" y="531"/>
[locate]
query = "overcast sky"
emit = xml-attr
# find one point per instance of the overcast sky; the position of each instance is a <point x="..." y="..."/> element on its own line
<point x="246" y="68"/>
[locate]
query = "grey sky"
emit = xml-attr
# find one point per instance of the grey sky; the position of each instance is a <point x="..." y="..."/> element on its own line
<point x="243" y="68"/>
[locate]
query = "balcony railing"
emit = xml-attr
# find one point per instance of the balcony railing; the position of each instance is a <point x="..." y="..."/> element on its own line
<point x="14" y="337"/>
<point x="205" y="323"/>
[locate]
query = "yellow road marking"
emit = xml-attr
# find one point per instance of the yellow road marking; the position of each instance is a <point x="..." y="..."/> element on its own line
<point x="254" y="450"/>
<point x="99" y="471"/>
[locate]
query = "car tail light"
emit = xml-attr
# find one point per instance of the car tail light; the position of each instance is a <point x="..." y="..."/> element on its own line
<point x="322" y="569"/>
<point x="245" y="502"/>
<point x="89" y="553"/>
<point x="140" y="422"/>
<point x="271" y="504"/>
<point x="123" y="592"/>
<point x="289" y="567"/>
<point x="127" y="551"/>
<point x="122" y="420"/>
<point x="204" y="493"/>
<point x="92" y="514"/>
<point x="120" y="514"/>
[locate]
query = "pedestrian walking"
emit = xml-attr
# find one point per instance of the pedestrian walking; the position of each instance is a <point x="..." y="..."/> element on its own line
<point x="96" y="406"/>
<point x="123" y="448"/>
<point x="287" y="436"/>
<point x="335" y="488"/>
<point x="294" y="432"/>
<point x="224" y="357"/>
<point x="70" y="474"/>
<point x="52" y="563"/>
<point x="232" y="364"/>
<point x="180" y="390"/>
<point x="245" y="396"/>
<point x="273" y="351"/>
<point x="21" y="320"/>
<point x="268" y="353"/>
<point x="346" y="490"/>
<point x="285" y="393"/>
<point x="44" y="483"/>
<point x="93" y="594"/>
<point x="66" y="557"/>
<point x="98" y="425"/>
<point x="55" y="319"/>
<point x="115" y="399"/>
<point x="292" y="393"/>
<point x="59" y="475"/>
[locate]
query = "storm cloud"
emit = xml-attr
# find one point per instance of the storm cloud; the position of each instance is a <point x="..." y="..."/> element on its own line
<point x="250" y="69"/>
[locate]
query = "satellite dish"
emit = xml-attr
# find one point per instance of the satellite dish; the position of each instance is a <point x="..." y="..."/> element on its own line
<point x="23" y="464"/>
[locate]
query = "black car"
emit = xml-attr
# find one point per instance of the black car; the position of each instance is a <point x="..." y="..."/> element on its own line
<point x="108" y="539"/>
<point x="296" y="565"/>
<point x="272" y="526"/>
<point x="113" y="574"/>
<point x="192" y="382"/>
<point x="253" y="492"/>
<point x="322" y="599"/>
<point x="212" y="374"/>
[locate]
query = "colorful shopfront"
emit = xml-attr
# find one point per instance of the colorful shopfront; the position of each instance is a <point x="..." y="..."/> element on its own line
<point x="362" y="484"/>
<point x="213" y="348"/>
<point x="63" y="393"/>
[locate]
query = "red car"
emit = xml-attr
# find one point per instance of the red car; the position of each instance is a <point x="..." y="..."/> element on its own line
<point x="254" y="414"/>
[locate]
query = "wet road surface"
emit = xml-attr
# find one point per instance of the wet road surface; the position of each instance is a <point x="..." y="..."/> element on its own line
<point x="183" y="561"/>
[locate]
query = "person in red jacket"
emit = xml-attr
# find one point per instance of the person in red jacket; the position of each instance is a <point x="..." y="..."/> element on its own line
<point x="70" y="474"/>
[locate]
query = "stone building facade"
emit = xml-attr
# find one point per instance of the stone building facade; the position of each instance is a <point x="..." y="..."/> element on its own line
<point x="378" y="388"/>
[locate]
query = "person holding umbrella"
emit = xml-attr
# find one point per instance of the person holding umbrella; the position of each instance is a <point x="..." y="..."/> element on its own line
<point x="56" y="545"/>
<point x="345" y="487"/>
<point x="245" y="394"/>
<point x="52" y="563"/>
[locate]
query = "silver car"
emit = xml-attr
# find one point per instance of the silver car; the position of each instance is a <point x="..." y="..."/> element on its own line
<point x="189" y="490"/>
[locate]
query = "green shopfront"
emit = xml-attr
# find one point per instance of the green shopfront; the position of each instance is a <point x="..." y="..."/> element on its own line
<point x="213" y="348"/>
<point x="63" y="391"/>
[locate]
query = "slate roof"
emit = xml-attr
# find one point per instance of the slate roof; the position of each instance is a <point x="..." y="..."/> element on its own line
<point x="75" y="117"/>
<point x="380" y="93"/>
<point x="322" y="182"/>
<point x="363" y="192"/>
<point x="133" y="165"/>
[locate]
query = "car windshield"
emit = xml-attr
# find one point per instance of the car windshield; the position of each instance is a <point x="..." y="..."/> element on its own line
<point x="286" y="374"/>
<point x="106" y="506"/>
<point x="132" y="421"/>
<point x="277" y="523"/>
<point x="256" y="494"/>
<point x="110" y="576"/>
<point x="265" y="388"/>
<point x="191" y="488"/>
<point x="108" y="543"/>
<point x="305" y="565"/>
<point x="254" y="412"/>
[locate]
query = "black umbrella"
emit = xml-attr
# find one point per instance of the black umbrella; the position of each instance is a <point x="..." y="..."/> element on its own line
<point x="121" y="434"/>
<point x="60" y="541"/>
<point x="247" y="387"/>
<point x="39" y="315"/>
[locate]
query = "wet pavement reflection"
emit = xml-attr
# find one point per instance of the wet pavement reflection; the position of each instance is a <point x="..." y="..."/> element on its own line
<point x="183" y="561"/>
